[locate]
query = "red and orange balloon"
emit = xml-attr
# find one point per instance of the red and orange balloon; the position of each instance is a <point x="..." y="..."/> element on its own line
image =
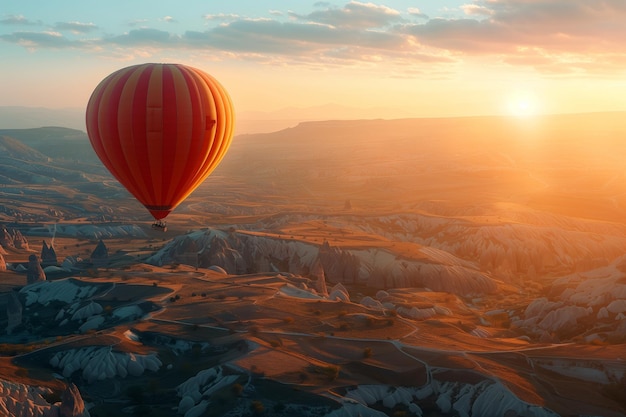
<point x="160" y="129"/>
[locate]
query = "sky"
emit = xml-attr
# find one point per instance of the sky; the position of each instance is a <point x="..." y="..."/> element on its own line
<point x="420" y="58"/>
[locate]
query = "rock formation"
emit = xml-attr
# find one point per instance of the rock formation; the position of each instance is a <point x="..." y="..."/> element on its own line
<point x="240" y="253"/>
<point x="72" y="404"/>
<point x="97" y="363"/>
<point x="70" y="262"/>
<point x="100" y="255"/>
<point x="34" y="272"/>
<point x="3" y="265"/>
<point x="14" y="312"/>
<point x="339" y="265"/>
<point x="11" y="238"/>
<point x="317" y="274"/>
<point x="17" y="399"/>
<point x="221" y="253"/>
<point x="48" y="254"/>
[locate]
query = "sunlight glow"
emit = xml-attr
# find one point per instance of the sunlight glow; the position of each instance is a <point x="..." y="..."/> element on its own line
<point x="523" y="104"/>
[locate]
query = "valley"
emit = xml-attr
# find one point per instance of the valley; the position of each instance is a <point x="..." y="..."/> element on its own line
<point x="461" y="267"/>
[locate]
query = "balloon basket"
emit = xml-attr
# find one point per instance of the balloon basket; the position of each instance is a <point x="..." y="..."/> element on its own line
<point x="160" y="226"/>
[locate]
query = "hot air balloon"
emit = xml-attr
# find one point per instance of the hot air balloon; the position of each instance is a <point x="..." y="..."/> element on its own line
<point x="160" y="129"/>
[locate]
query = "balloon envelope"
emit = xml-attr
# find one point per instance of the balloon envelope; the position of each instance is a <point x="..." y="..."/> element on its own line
<point x="160" y="129"/>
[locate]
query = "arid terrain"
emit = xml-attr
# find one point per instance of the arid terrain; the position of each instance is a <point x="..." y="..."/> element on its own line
<point x="415" y="267"/>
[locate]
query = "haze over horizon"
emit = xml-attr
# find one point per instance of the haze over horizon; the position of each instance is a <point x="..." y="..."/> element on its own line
<point x="400" y="58"/>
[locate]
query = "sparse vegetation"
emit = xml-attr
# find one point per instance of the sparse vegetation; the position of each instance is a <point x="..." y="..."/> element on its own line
<point x="237" y="389"/>
<point x="331" y="372"/>
<point x="275" y="343"/>
<point x="257" y="407"/>
<point x="7" y="349"/>
<point x="367" y="352"/>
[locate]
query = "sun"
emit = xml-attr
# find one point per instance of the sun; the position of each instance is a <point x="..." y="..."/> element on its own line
<point x="523" y="104"/>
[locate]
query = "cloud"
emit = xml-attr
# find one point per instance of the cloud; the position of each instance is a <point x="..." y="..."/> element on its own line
<point x="222" y="16"/>
<point x="75" y="27"/>
<point x="579" y="36"/>
<point x="169" y="19"/>
<point x="37" y="40"/>
<point x="17" y="20"/>
<point x="414" y="11"/>
<point x="476" y="10"/>
<point x="144" y="37"/>
<point x="137" y="22"/>
<point x="562" y="33"/>
<point x="572" y="26"/>
<point x="355" y="15"/>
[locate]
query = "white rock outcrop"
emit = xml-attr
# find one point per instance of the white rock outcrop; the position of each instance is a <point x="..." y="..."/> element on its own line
<point x="237" y="252"/>
<point x="98" y="363"/>
<point x="20" y="400"/>
<point x="339" y="293"/>
<point x="87" y="311"/>
<point x="486" y="399"/>
<point x="195" y="392"/>
<point x="65" y="290"/>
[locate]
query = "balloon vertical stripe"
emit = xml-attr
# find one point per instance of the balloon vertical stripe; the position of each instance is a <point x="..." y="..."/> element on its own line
<point x="130" y="106"/>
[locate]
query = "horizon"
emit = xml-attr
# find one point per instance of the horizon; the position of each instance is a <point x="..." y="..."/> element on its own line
<point x="21" y="117"/>
<point x="394" y="59"/>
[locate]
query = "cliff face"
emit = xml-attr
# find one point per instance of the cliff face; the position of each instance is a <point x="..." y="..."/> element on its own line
<point x="239" y="253"/>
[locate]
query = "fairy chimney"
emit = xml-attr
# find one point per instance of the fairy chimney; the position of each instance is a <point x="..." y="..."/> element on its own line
<point x="100" y="255"/>
<point x="48" y="254"/>
<point x="34" y="272"/>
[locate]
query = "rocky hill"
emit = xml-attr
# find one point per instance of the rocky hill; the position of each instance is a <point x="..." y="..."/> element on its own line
<point x="11" y="148"/>
<point x="47" y="174"/>
<point x="57" y="143"/>
<point x="239" y="253"/>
